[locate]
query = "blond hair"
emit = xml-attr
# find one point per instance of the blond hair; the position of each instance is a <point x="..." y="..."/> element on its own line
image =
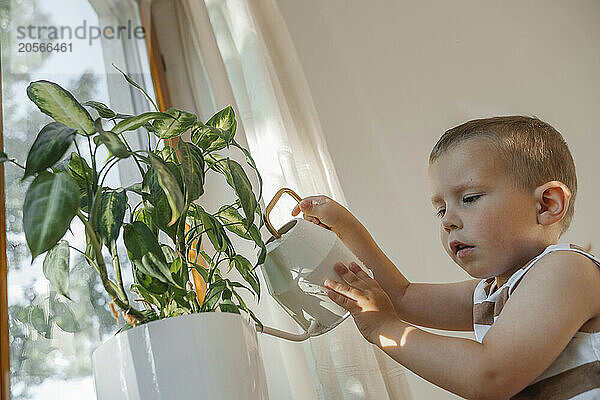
<point x="534" y="152"/>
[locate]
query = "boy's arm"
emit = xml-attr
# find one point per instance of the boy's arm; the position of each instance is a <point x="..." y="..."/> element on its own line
<point x="554" y="299"/>
<point x="447" y="306"/>
<point x="441" y="306"/>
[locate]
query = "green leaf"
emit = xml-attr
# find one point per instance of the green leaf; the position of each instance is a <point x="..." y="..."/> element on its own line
<point x="214" y="234"/>
<point x="243" y="189"/>
<point x="261" y="255"/>
<point x="209" y="138"/>
<point x="79" y="169"/>
<point x="168" y="182"/>
<point x="180" y="122"/>
<point x="214" y="229"/>
<point x="179" y="271"/>
<point x="145" y="252"/>
<point x="239" y="285"/>
<point x="145" y="217"/>
<point x="50" y="204"/>
<point x="56" y="267"/>
<point x="167" y="153"/>
<point x="173" y="309"/>
<point x="150" y="315"/>
<point x="135" y="188"/>
<point x="244" y="267"/>
<point x="192" y="163"/>
<point x="157" y="204"/>
<point x="202" y="271"/>
<point x="49" y="146"/>
<point x="137" y="121"/>
<point x="65" y="318"/>
<point x="101" y="108"/>
<point x="111" y="212"/>
<point x="170" y="254"/>
<point x="234" y="222"/>
<point x="252" y="164"/>
<point x="213" y="294"/>
<point x="111" y="141"/>
<point x="135" y="84"/>
<point x="37" y="319"/>
<point x="59" y="104"/>
<point x="228" y="306"/>
<point x="152" y="288"/>
<point x="219" y="164"/>
<point x="225" y="120"/>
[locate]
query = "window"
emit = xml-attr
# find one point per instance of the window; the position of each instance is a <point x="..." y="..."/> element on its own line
<point x="48" y="361"/>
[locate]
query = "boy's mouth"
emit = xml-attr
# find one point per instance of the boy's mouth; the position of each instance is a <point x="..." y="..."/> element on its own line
<point x="460" y="249"/>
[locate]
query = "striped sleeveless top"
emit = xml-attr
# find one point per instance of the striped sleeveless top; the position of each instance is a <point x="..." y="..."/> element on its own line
<point x="575" y="374"/>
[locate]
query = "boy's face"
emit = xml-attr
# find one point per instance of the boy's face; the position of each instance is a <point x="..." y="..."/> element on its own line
<point x="480" y="206"/>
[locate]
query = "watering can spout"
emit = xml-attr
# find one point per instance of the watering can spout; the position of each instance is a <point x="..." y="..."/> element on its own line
<point x="289" y="336"/>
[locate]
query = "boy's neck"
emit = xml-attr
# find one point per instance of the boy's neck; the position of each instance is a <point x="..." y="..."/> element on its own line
<point x="502" y="279"/>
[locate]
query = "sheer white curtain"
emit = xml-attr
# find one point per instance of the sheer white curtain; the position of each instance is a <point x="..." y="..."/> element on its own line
<point x="239" y="52"/>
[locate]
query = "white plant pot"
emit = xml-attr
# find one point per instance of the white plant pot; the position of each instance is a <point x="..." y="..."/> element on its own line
<point x="199" y="356"/>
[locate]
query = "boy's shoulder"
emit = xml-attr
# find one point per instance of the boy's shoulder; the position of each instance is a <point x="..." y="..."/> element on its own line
<point x="564" y="272"/>
<point x="568" y="265"/>
<point x="556" y="298"/>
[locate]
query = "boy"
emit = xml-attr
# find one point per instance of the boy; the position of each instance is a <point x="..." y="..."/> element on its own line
<point x="504" y="190"/>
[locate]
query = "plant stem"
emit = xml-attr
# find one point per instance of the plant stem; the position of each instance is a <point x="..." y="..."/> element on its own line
<point x="12" y="160"/>
<point x="189" y="240"/>
<point x="88" y="259"/>
<point x="127" y="309"/>
<point x="213" y="268"/>
<point x="93" y="264"/>
<point x="117" y="265"/>
<point x="132" y="211"/>
<point x="180" y="235"/>
<point x="133" y="154"/>
<point x="109" y="165"/>
<point x="87" y="182"/>
<point x="93" y="157"/>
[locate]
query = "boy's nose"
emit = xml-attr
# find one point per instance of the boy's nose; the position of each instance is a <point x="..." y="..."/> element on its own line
<point x="450" y="221"/>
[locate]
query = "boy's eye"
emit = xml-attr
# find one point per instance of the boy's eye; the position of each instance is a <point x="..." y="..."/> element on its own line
<point x="467" y="199"/>
<point x="470" y="199"/>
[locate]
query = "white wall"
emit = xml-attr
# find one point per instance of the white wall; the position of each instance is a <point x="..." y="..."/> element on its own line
<point x="389" y="77"/>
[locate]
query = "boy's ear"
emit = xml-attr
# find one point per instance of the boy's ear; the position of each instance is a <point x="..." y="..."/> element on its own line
<point x="552" y="200"/>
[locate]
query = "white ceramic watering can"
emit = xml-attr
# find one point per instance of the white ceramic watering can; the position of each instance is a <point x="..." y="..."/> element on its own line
<point x="300" y="256"/>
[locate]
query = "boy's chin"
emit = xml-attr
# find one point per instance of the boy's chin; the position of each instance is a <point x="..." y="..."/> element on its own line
<point x="475" y="271"/>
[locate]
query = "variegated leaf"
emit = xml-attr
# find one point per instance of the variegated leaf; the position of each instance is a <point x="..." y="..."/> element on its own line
<point x="135" y="122"/>
<point x="111" y="212"/>
<point x="171" y="187"/>
<point x="49" y="147"/>
<point x="51" y="202"/>
<point x="59" y="104"/>
<point x="180" y="122"/>
<point x="56" y="267"/>
<point x="192" y="163"/>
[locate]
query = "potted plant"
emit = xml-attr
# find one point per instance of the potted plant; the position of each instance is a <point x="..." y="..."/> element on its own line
<point x="162" y="227"/>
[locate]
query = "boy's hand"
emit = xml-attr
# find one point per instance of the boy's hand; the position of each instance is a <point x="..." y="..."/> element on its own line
<point x="360" y="294"/>
<point x="324" y="212"/>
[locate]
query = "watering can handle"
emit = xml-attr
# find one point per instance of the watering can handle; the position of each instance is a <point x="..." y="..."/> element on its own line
<point x="272" y="204"/>
<point x="286" y="335"/>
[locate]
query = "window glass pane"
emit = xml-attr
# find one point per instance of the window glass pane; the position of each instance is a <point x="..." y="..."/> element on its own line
<point x="47" y="362"/>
